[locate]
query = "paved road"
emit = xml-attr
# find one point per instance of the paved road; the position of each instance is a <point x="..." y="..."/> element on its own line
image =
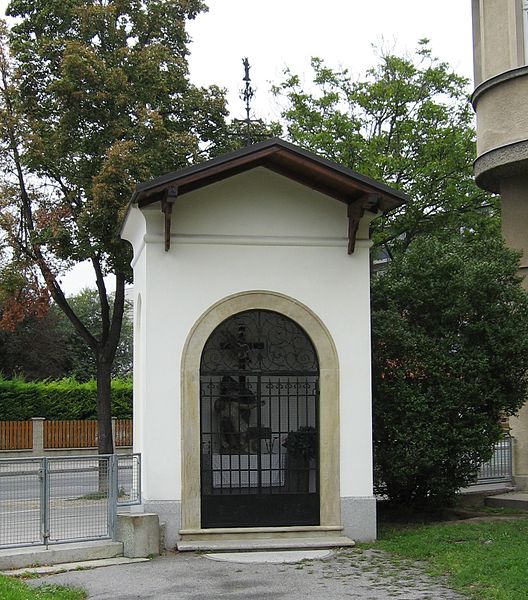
<point x="26" y="485"/>
<point x="352" y="574"/>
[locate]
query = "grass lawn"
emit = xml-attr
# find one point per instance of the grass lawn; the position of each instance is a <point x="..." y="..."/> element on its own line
<point x="488" y="560"/>
<point x="14" y="589"/>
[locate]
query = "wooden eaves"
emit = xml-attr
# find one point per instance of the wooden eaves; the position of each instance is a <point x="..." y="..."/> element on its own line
<point x="358" y="192"/>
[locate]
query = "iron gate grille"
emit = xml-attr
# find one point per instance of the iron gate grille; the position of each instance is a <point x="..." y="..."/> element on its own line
<point x="259" y="423"/>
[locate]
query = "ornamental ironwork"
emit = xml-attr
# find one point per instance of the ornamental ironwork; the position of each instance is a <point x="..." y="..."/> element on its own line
<point x="259" y="341"/>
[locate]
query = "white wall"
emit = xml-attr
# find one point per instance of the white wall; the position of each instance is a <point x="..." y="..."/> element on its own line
<point x="255" y="231"/>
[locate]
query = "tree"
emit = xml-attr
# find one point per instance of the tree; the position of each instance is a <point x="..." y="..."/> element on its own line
<point x="450" y="340"/>
<point x="408" y="123"/>
<point x="95" y="97"/>
<point x="79" y="362"/>
<point x="34" y="349"/>
<point x="46" y="346"/>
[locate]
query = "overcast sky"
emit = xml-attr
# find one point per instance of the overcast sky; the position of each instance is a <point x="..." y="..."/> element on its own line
<point x="279" y="33"/>
<point x="274" y="34"/>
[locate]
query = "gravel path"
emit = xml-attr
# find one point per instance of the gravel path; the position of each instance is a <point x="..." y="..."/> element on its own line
<point x="352" y="573"/>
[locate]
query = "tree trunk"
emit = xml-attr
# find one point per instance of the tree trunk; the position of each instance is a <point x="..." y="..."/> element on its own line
<point x="104" y="406"/>
<point x="104" y="422"/>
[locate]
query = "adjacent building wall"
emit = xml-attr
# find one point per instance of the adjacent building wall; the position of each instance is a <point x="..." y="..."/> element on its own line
<point x="500" y="102"/>
<point x="497" y="37"/>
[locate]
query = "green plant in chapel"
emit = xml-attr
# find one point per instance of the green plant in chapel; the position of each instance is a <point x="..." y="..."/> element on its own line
<point x="302" y="443"/>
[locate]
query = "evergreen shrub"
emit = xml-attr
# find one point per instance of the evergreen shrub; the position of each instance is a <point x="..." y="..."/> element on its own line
<point x="61" y="399"/>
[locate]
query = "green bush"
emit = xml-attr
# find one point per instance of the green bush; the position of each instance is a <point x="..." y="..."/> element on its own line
<point x="450" y="340"/>
<point x="62" y="399"/>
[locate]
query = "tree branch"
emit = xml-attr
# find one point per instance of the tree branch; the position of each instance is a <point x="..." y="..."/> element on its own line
<point x="103" y="299"/>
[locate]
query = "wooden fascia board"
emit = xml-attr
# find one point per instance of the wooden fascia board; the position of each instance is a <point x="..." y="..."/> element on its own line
<point x="342" y="196"/>
<point x="286" y="162"/>
<point x="318" y="172"/>
<point x="204" y="176"/>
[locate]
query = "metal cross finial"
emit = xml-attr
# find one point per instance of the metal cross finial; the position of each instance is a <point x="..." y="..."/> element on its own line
<point x="251" y="129"/>
<point x="247" y="95"/>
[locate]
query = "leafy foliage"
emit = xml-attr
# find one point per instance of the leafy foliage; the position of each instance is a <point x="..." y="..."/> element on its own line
<point x="35" y="348"/>
<point x="48" y="347"/>
<point x="60" y="399"/>
<point x="22" y="297"/>
<point x="94" y="96"/>
<point x="408" y="123"/>
<point x="79" y="362"/>
<point x="450" y="340"/>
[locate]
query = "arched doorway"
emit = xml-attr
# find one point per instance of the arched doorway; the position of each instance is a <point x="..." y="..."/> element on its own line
<point x="259" y="423"/>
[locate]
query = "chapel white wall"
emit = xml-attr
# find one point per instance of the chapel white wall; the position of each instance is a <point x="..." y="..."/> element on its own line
<point x="297" y="247"/>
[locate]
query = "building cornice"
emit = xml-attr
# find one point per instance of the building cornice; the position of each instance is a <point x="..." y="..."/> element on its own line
<point x="497" y="80"/>
<point x="499" y="163"/>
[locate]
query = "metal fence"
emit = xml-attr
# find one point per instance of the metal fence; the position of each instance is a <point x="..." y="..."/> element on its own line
<point x="65" y="499"/>
<point x="499" y="467"/>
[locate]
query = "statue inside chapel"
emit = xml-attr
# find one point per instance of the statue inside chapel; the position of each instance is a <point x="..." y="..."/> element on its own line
<point x="233" y="410"/>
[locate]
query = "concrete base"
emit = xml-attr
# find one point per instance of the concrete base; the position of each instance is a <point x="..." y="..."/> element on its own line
<point x="18" y="558"/>
<point x="75" y="566"/>
<point x="521" y="483"/>
<point x="358" y="517"/>
<point x="487" y="488"/>
<point x="169" y="513"/>
<point x="510" y="500"/>
<point x="140" y="534"/>
<point x="476" y="496"/>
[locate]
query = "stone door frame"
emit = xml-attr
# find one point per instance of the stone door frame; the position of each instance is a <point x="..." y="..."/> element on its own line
<point x="328" y="400"/>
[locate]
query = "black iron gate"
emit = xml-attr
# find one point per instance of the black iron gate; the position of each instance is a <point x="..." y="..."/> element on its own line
<point x="259" y="419"/>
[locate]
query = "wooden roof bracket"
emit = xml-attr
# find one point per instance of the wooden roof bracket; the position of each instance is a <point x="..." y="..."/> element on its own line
<point x="356" y="210"/>
<point x="167" y="203"/>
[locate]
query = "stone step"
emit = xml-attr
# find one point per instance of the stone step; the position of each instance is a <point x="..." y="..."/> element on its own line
<point x="509" y="500"/>
<point x="248" y="545"/>
<point x="18" y="558"/>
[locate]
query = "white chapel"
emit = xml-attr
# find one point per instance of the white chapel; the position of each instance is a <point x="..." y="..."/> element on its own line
<point x="252" y="377"/>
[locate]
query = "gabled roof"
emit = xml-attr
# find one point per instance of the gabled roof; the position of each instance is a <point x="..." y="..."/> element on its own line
<point x="286" y="159"/>
<point x="358" y="192"/>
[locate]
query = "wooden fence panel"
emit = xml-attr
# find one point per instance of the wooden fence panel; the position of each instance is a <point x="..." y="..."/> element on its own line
<point x="16" y="435"/>
<point x="70" y="434"/>
<point x="123" y="432"/>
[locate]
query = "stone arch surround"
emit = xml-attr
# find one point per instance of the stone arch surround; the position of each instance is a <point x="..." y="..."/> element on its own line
<point x="330" y="516"/>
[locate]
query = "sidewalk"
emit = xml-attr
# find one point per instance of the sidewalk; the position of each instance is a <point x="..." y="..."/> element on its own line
<point x="352" y="573"/>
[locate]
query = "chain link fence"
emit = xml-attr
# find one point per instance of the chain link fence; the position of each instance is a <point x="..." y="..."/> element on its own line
<point x="65" y="499"/>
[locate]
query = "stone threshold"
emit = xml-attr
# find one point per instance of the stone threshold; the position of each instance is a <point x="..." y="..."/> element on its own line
<point x="249" y="544"/>
<point x="296" y="531"/>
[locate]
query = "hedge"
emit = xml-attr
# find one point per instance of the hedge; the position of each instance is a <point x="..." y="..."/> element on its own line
<point x="62" y="399"/>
